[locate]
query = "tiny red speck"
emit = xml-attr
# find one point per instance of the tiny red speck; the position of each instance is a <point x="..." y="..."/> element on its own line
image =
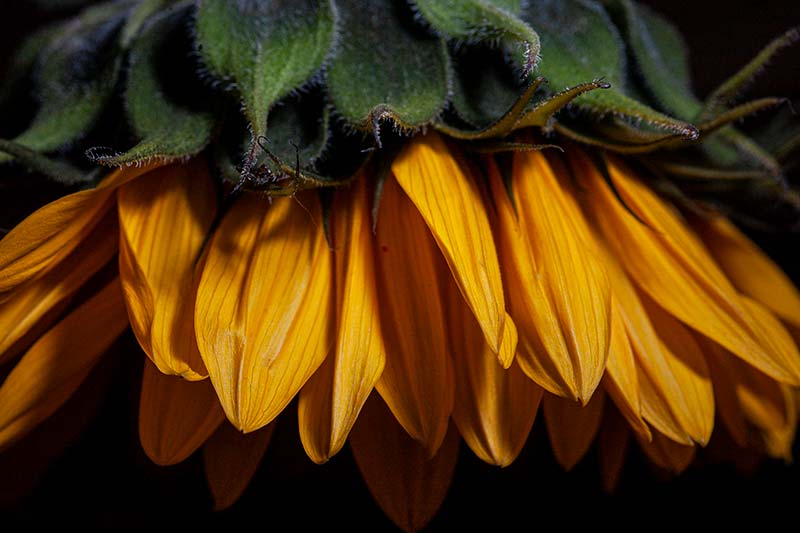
<point x="384" y="248"/>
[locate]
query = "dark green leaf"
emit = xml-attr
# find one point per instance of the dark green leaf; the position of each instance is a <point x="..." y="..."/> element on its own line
<point x="266" y="49"/>
<point x="541" y="112"/>
<point x="25" y="57"/>
<point x="386" y="66"/>
<point x="59" y="171"/>
<point x="167" y="129"/>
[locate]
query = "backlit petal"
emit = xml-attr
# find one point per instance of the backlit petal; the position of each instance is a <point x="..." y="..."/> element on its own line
<point x="572" y="427"/>
<point x="263" y="306"/>
<point x="417" y="381"/>
<point x="231" y="459"/>
<point x="164" y="217"/>
<point x="31" y="308"/>
<point x="572" y="274"/>
<point x="494" y="407"/>
<point x="53" y="368"/>
<point x="333" y="397"/>
<point x="407" y="483"/>
<point x="449" y="199"/>
<point x="175" y="416"/>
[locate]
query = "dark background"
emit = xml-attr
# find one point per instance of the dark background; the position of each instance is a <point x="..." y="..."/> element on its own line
<point x="104" y="481"/>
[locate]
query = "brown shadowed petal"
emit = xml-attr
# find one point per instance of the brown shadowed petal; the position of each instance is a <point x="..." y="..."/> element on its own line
<point x="668" y="454"/>
<point x="750" y="270"/>
<point x="408" y="484"/>
<point x="417" y="381"/>
<point x="613" y="442"/>
<point x="175" y="416"/>
<point x="572" y="274"/>
<point x="331" y="400"/>
<point x="164" y="217"/>
<point x="53" y="368"/>
<point x="231" y="459"/>
<point x="34" y="305"/>
<point x="571" y="427"/>
<point x="49" y="234"/>
<point x="262" y="315"/>
<point x="494" y="407"/>
<point x="670" y="264"/>
<point x="449" y="199"/>
<point x="544" y="354"/>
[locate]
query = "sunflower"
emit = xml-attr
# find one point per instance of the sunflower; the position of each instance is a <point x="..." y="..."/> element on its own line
<point x="506" y="248"/>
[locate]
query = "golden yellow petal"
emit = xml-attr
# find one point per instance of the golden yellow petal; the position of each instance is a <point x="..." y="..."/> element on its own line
<point x="571" y="427"/>
<point x="449" y="199"/>
<point x="670" y="264"/>
<point x="494" y="408"/>
<point x="407" y="483"/>
<point x="53" y="368"/>
<point x="35" y="305"/>
<point x="175" y="416"/>
<point x="164" y="217"/>
<point x="417" y="380"/>
<point x="231" y="459"/>
<point x="750" y="270"/>
<point x="688" y="365"/>
<point x="613" y="442"/>
<point x="543" y="351"/>
<point x="263" y="305"/>
<point x="331" y="400"/>
<point x="572" y="274"/>
<point x="621" y="381"/>
<point x="668" y="454"/>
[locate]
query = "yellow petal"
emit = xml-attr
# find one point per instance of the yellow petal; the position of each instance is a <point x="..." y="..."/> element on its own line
<point x="407" y="483"/>
<point x="494" y="408"/>
<point x="750" y="270"/>
<point x="263" y="306"/>
<point x="572" y="427"/>
<point x="688" y="365"/>
<point x="53" y="368"/>
<point x="668" y="454"/>
<point x="175" y="416"/>
<point x="417" y="381"/>
<point x="49" y="234"/>
<point x="621" y="381"/>
<point x="544" y="354"/>
<point x="164" y="217"/>
<point x="331" y="400"/>
<point x="32" y="308"/>
<point x="671" y="265"/>
<point x="612" y="446"/>
<point x="449" y="199"/>
<point x="231" y="460"/>
<point x="572" y="274"/>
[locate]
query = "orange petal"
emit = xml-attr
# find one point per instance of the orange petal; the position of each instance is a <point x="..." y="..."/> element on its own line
<point x="572" y="274"/>
<point x="612" y="444"/>
<point x="749" y="268"/>
<point x="333" y="397"/>
<point x="671" y="265"/>
<point x="231" y="460"/>
<point x="407" y="483"/>
<point x="32" y="307"/>
<point x="417" y="381"/>
<point x="53" y="368"/>
<point x="49" y="234"/>
<point x="263" y="306"/>
<point x="572" y="427"/>
<point x="668" y="454"/>
<point x="450" y="201"/>
<point x="494" y="408"/>
<point x="621" y="381"/>
<point x="164" y="217"/>
<point x="688" y="365"/>
<point x="175" y="416"/>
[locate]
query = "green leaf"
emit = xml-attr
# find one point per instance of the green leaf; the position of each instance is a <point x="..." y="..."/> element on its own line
<point x="543" y="110"/>
<point x="264" y="49"/>
<point x="54" y="169"/>
<point x="580" y="43"/>
<point x="385" y="66"/>
<point x="480" y="21"/>
<point x="77" y="75"/>
<point x="168" y="130"/>
<point x="24" y="59"/>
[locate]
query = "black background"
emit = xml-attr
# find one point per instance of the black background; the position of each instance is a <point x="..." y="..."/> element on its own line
<point x="105" y="481"/>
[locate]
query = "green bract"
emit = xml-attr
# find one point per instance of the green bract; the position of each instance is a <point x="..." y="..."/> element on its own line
<point x="324" y="82"/>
